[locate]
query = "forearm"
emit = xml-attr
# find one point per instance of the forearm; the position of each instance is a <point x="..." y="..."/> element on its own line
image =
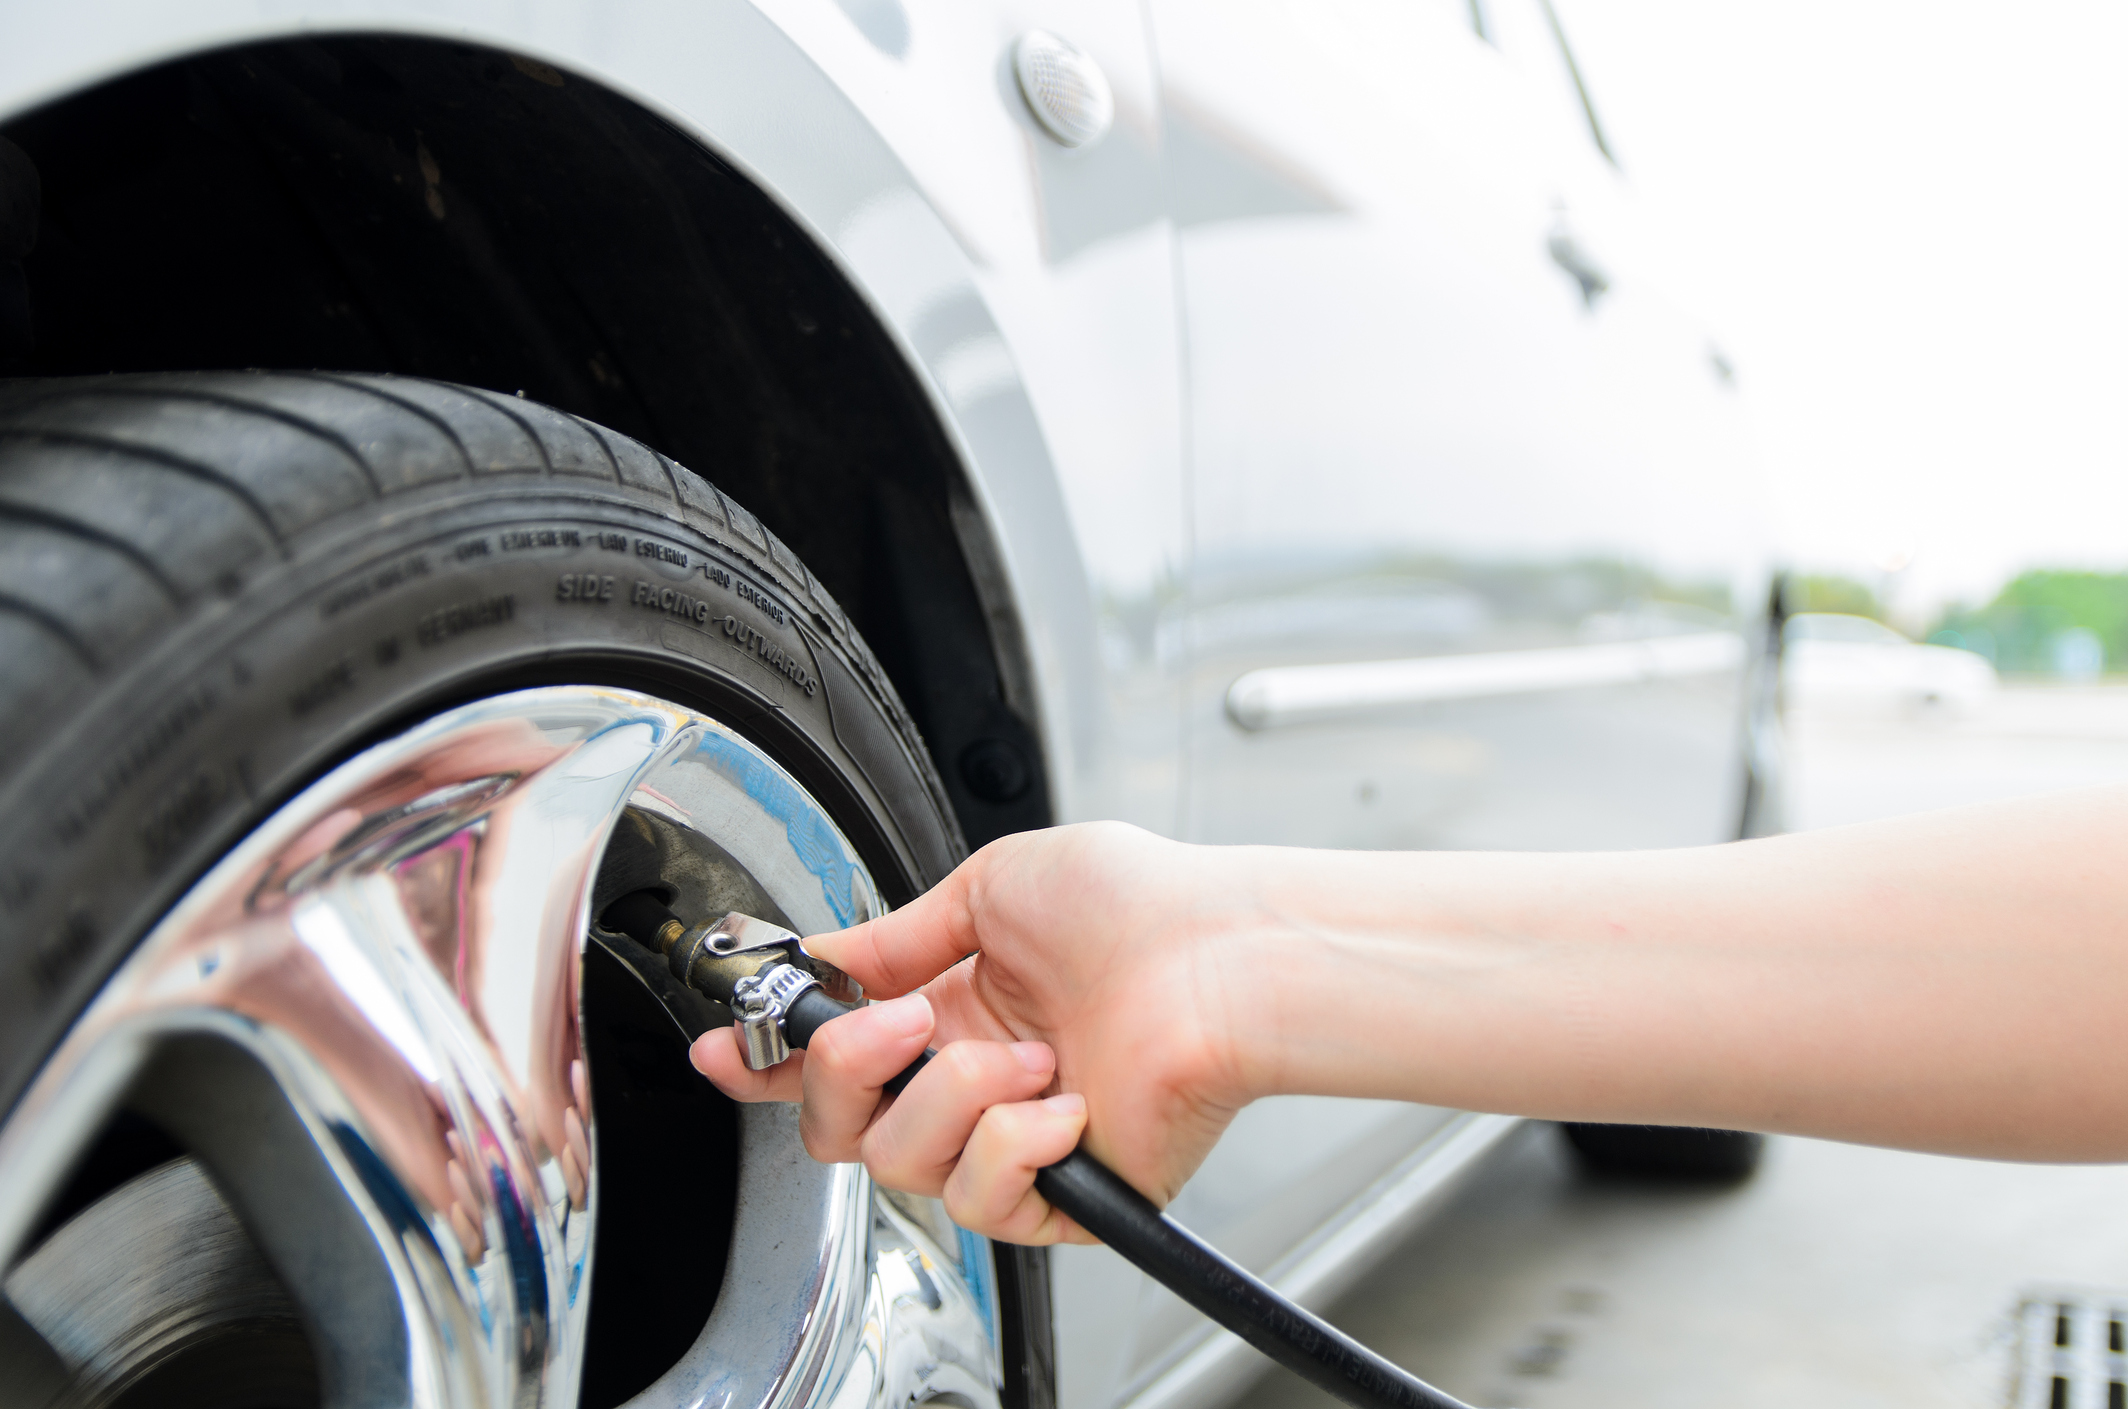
<point x="1954" y="981"/>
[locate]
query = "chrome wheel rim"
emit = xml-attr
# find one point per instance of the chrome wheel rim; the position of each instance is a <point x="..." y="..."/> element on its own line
<point x="365" y="1027"/>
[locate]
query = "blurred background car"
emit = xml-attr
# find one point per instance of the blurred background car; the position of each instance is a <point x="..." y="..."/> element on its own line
<point x="1836" y="660"/>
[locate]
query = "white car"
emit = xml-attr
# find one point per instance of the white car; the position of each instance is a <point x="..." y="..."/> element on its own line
<point x="1844" y="662"/>
<point x="461" y="461"/>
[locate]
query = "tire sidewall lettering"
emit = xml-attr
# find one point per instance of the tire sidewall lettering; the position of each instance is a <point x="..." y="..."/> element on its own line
<point x="259" y="701"/>
<point x="752" y="639"/>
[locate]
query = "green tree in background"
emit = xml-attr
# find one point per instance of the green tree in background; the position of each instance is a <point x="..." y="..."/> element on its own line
<point x="2041" y="619"/>
<point x="1828" y="592"/>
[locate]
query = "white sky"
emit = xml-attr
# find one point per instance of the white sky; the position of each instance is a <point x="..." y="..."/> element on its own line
<point x="1908" y="224"/>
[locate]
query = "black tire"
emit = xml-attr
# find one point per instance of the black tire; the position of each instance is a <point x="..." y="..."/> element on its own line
<point x="215" y="586"/>
<point x="1684" y="1154"/>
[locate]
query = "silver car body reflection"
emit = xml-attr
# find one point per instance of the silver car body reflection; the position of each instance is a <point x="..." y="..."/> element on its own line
<point x="384" y="979"/>
<point x="1440" y="535"/>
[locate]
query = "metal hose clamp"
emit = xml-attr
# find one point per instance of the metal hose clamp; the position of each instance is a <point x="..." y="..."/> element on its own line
<point x="759" y="1005"/>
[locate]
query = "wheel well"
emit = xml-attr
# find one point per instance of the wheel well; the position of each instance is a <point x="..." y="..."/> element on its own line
<point x="438" y="209"/>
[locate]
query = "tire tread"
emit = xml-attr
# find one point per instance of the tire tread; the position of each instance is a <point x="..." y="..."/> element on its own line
<point x="66" y="525"/>
<point x="52" y="625"/>
<point x="175" y="387"/>
<point x="443" y="426"/>
<point x="297" y="478"/>
<point x="150" y="457"/>
<point x="303" y="464"/>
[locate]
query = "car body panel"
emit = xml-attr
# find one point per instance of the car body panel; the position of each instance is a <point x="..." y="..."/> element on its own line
<point x="958" y="272"/>
<point x="1493" y="532"/>
<point x="1071" y="257"/>
<point x="1290" y="372"/>
<point x="1412" y="438"/>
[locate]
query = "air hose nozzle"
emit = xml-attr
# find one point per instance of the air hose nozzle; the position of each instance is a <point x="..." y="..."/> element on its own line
<point x="779" y="995"/>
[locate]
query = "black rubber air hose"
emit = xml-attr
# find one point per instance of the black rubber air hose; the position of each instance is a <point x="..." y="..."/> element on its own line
<point x="1098" y="1200"/>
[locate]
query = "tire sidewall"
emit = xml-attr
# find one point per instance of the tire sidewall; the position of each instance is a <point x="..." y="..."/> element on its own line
<point x="436" y="597"/>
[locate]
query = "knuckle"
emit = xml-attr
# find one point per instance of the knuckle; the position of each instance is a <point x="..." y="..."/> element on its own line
<point x="967" y="1062"/>
<point x="967" y="1207"/>
<point x="962" y="1215"/>
<point x="1004" y="1126"/>
<point x="835" y="1054"/>
<point x="893" y="1165"/>
<point x="818" y="1143"/>
<point x="883" y="1158"/>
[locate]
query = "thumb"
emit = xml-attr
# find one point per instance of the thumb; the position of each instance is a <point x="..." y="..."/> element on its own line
<point x="905" y="949"/>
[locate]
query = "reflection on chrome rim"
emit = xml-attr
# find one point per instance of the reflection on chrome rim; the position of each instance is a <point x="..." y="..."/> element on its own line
<point x="364" y="1028"/>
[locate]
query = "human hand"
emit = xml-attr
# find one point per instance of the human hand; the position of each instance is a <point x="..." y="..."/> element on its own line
<point x="1107" y="972"/>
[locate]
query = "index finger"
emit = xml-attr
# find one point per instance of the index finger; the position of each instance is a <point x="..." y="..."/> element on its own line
<point x="902" y="951"/>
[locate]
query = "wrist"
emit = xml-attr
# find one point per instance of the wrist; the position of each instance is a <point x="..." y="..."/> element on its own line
<point x="1288" y="966"/>
<point x="1387" y="975"/>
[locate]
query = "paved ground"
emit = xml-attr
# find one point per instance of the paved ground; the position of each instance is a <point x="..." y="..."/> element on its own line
<point x="1839" y="1277"/>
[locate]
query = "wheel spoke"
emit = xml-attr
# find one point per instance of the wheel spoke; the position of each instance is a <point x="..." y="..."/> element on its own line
<point x="364" y="1029"/>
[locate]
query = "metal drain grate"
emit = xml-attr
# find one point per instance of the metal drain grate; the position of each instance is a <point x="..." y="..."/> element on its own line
<point x="2072" y="1349"/>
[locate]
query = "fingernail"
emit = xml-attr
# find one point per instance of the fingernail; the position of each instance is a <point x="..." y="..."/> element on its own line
<point x="1035" y="1056"/>
<point x="1071" y="1103"/>
<point x="905" y="1016"/>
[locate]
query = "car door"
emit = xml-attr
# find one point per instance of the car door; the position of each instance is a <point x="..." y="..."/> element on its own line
<point x="1034" y="283"/>
<point x="1436" y="420"/>
<point x="1465" y="498"/>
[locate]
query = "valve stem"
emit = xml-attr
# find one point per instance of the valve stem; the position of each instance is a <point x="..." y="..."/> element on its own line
<point x="751" y="966"/>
